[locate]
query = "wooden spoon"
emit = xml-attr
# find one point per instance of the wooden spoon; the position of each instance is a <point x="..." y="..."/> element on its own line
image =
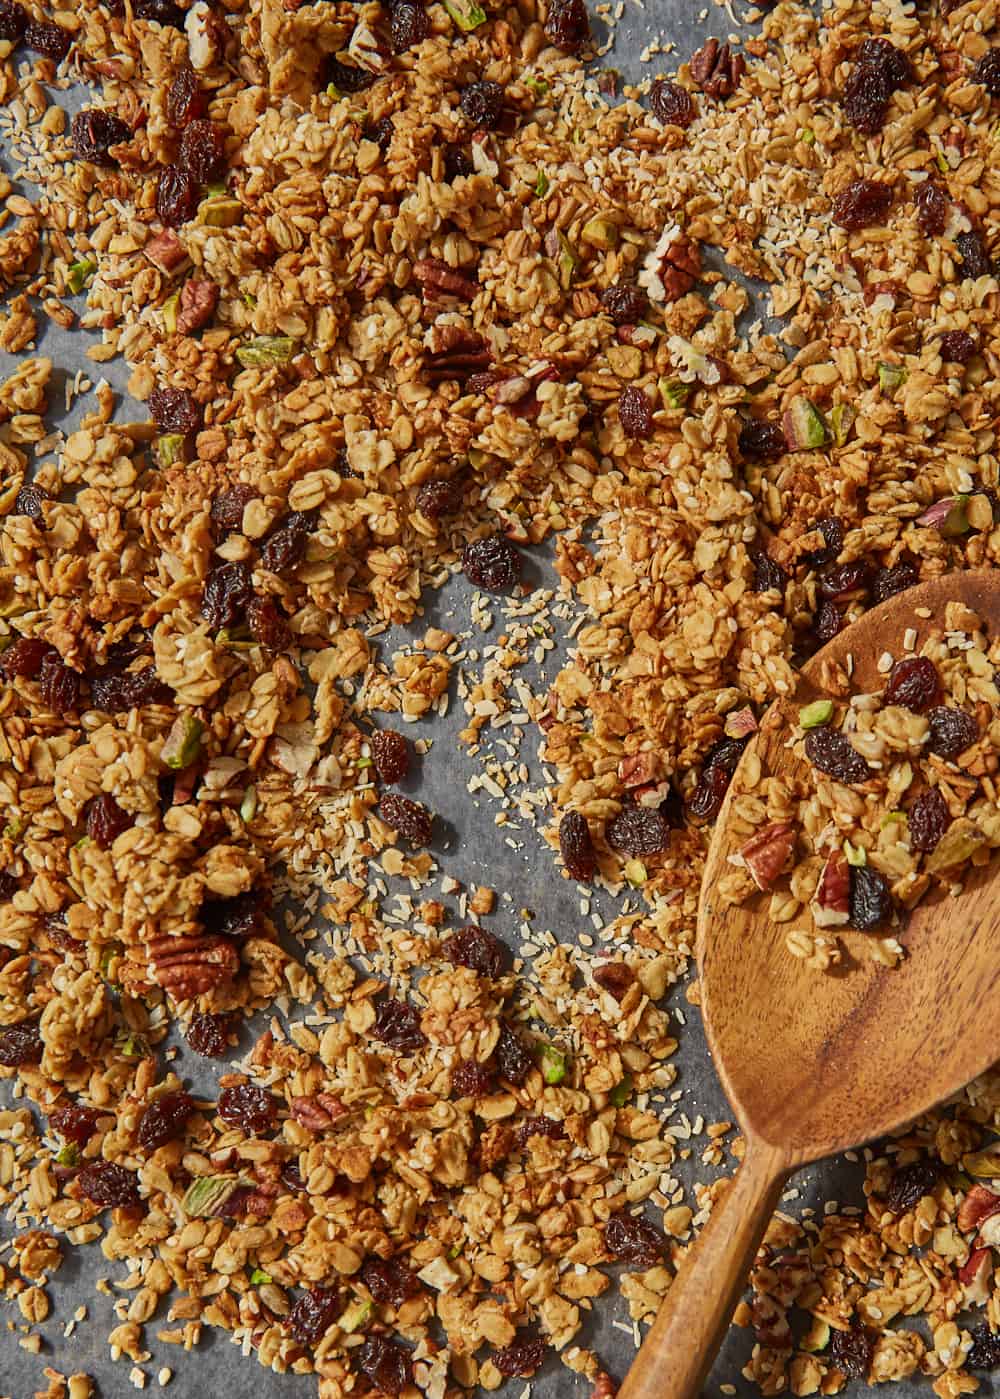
<point x="814" y="1063"/>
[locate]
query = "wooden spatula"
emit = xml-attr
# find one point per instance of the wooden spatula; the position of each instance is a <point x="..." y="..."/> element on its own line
<point x="813" y="1063"/>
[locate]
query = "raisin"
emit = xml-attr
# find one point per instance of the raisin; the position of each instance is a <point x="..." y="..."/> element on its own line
<point x="177" y="196"/>
<point x="380" y="132"/>
<point x="615" y="978"/>
<point x="398" y="1025"/>
<point x="347" y="78"/>
<point x="492" y="563"/>
<point x="928" y="820"/>
<point x="9" y="886"/>
<point x="520" y="1358"/>
<point x="313" y="1313"/>
<point x="893" y="63"/>
<point x="59" y="685"/>
<point x="624" y="302"/>
<point x="852" y="1351"/>
<point x="94" y="131"/>
<point x="638" y="830"/>
<point x="19" y="1045"/>
<point x="208" y="1034"/>
<point x="28" y="501"/>
<point x="286" y="543"/>
<point x="25" y="656"/>
<point x="291" y="1177"/>
<point x="185" y="99"/>
<point x="862" y="204"/>
<point x="267" y="625"/>
<point x="672" y="104"/>
<point x="871" y="901"/>
<point x="476" y="948"/>
<point x="482" y="104"/>
<point x="385" y="1364"/>
<point x="768" y="576"/>
<point x="175" y="410"/>
<point x="513" y="1060"/>
<point x="50" y="40"/>
<point x="956" y="347"/>
<point x="390" y="754"/>
<point x="984" y="1353"/>
<point x="249" y="1107"/>
<point x="634" y="1240"/>
<point x="106" y="820"/>
<point x="239" y="917"/>
<point x="762" y="441"/>
<point x="987" y="72"/>
<point x="114" y="692"/>
<point x="910" y="1184"/>
<point x="107" y="1184"/>
<point x="226" y="594"/>
<point x="932" y="210"/>
<point x="228" y="506"/>
<point x="567" y="24"/>
<point x="831" y="751"/>
<point x="890" y="581"/>
<point x="635" y="413"/>
<point x="202" y="151"/>
<point x="163" y="1121"/>
<point x="833" y="533"/>
<point x="14" y="20"/>
<point x="409" y="818"/>
<point x="975" y="258"/>
<point x="58" y="934"/>
<point x="576" y="847"/>
<point x="161" y="11"/>
<point x="717" y="771"/>
<point x="866" y="100"/>
<point x="409" y="25"/>
<point x="457" y="162"/>
<point x="389" y="1280"/>
<point x="841" y="579"/>
<point x="471" y="1080"/>
<point x="441" y="497"/>
<point x="74" y="1123"/>
<point x="537" y="1126"/>
<point x="914" y="684"/>
<point x="952" y="731"/>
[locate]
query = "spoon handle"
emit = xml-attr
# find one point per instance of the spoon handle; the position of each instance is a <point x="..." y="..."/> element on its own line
<point x="677" y="1354"/>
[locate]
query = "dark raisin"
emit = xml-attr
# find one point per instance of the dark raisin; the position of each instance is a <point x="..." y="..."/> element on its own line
<point x="871" y="901"/>
<point x="202" y="151"/>
<point x="50" y="40"/>
<point x="890" y="581"/>
<point x="347" y="78"/>
<point x="185" y="99"/>
<point x="956" y="347"/>
<point x="398" y="1025"/>
<point x="928" y="820"/>
<point x="482" y="104"/>
<point x="513" y="1060"/>
<point x="471" y="1080"/>
<point x="380" y="132"/>
<point x="520" y="1358"/>
<point x="59" y="685"/>
<point x="768" y="576"/>
<point x="291" y="1177"/>
<point x="28" y="501"/>
<point x="457" y="163"/>
<point x="163" y="1121"/>
<point x="438" y="498"/>
<point x="267" y="625"/>
<point x="390" y="754"/>
<point x="74" y="1123"/>
<point x="286" y="544"/>
<point x="313" y="1313"/>
<point x="984" y="1353"/>
<point x="576" y="846"/>
<point x="638" y="830"/>
<point x="208" y="1035"/>
<point x="634" y="1240"/>
<point x="107" y="1184"/>
<point x="987" y="72"/>
<point x="909" y="1184"/>
<point x="862" y="204"/>
<point x="245" y="1105"/>
<point x="567" y="24"/>
<point x="389" y="1280"/>
<point x="762" y="441"/>
<point x="851" y="1351"/>
<point x="385" y="1364"/>
<point x="952" y="731"/>
<point x="913" y="683"/>
<point x="831" y="751"/>
<point x="716" y="774"/>
<point x="175" y="410"/>
<point x="106" y="820"/>
<point x="115" y="692"/>
<point x="20" y="1044"/>
<point x="409" y="25"/>
<point x="24" y="657"/>
<point x="58" y="934"/>
<point x="239" y="917"/>
<point x="492" y="563"/>
<point x="625" y="303"/>
<point x="932" y="210"/>
<point x="159" y="11"/>
<point x="476" y="948"/>
<point x="882" y="55"/>
<point x="409" y="818"/>
<point x="9" y="885"/>
<point x="540" y="1127"/>
<point x="615" y="978"/>
<point x="974" y="256"/>
<point x="14" y="20"/>
<point x="228" y="506"/>
<point x="672" y="104"/>
<point x="177" y="196"/>
<point x="94" y="131"/>
<point x="226" y="594"/>
<point x="833" y="533"/>
<point x="866" y="100"/>
<point x="635" y="413"/>
<point x="841" y="579"/>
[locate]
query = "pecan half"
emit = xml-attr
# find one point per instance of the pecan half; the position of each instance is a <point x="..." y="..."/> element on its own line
<point x="457" y="353"/>
<point x="717" y="70"/>
<point x="199" y="298"/>
<point x="166" y="252"/>
<point x="190" y="966"/>
<point x="318" y="1111"/>
<point x="438" y="279"/>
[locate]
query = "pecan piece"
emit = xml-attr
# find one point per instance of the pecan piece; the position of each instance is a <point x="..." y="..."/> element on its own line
<point x="199" y="298"/>
<point x="766" y="853"/>
<point x="190" y="966"/>
<point x="438" y="279"/>
<point x="457" y="353"/>
<point x="717" y="70"/>
<point x="638" y="769"/>
<point x="979" y="1205"/>
<point x="317" y="1111"/>
<point x="166" y="252"/>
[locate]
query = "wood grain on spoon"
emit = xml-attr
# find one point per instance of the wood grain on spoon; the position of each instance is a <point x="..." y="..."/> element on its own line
<point x="816" y="1063"/>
